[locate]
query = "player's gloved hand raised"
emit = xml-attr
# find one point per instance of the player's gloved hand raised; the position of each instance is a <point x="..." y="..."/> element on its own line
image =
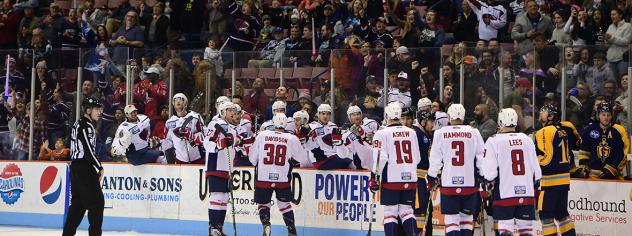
<point x="373" y="185"/>
<point x="432" y="183"/>
<point x="225" y="142"/>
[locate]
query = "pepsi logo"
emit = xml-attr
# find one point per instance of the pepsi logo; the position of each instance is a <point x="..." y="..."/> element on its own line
<point x="50" y="184"/>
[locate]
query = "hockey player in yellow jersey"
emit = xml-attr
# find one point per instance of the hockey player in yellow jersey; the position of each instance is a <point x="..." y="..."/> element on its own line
<point x="553" y="155"/>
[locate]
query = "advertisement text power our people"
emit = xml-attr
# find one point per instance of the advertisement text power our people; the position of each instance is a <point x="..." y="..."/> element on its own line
<point x="343" y="195"/>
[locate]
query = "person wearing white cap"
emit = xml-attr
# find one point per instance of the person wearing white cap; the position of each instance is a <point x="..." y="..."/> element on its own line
<point x="184" y="133"/>
<point x="138" y="129"/>
<point x="325" y="136"/>
<point x="457" y="151"/>
<point x="358" y="139"/>
<point x="401" y="94"/>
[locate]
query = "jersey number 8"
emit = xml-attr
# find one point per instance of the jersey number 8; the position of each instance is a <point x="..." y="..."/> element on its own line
<point x="274" y="155"/>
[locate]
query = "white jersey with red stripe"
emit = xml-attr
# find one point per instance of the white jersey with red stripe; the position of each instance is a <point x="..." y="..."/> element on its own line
<point x="140" y="131"/>
<point x="185" y="150"/>
<point x="289" y="127"/>
<point x="320" y="137"/>
<point x="352" y="146"/>
<point x="511" y="159"/>
<point x="458" y="149"/>
<point x="398" y="157"/>
<point x="271" y="153"/>
<point x="217" y="158"/>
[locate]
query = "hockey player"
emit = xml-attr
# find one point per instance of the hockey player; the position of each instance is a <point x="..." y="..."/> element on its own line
<point x="271" y="154"/>
<point x="323" y="138"/>
<point x="458" y="149"/>
<point x="422" y="105"/>
<point x="86" y="172"/>
<point x="511" y="165"/>
<point x="243" y="127"/>
<point x="359" y="137"/>
<point x="136" y="127"/>
<point x="396" y="155"/>
<point x="218" y="101"/>
<point x="604" y="147"/>
<point x="219" y="143"/>
<point x="279" y="107"/>
<point x="408" y="117"/>
<point x="552" y="149"/>
<point x="574" y="141"/>
<point x="301" y="119"/>
<point x="423" y="210"/>
<point x="184" y="133"/>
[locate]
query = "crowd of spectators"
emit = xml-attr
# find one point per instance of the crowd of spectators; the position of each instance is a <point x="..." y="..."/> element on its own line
<point x="530" y="44"/>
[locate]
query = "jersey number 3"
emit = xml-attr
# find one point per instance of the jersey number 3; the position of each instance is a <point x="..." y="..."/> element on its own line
<point x="458" y="160"/>
<point x="275" y="154"/>
<point x="403" y="148"/>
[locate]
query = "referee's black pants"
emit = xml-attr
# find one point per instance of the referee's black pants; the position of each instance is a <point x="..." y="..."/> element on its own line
<point x="86" y="195"/>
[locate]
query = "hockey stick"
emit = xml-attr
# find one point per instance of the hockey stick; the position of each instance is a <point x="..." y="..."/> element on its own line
<point x="230" y="169"/>
<point x="377" y="180"/>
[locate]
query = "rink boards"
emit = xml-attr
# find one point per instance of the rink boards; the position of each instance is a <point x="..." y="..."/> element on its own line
<point x="173" y="199"/>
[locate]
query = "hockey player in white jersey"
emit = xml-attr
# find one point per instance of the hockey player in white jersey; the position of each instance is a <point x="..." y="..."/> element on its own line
<point x="323" y="138"/>
<point x="271" y="154"/>
<point x="243" y="127"/>
<point x="511" y="165"/>
<point x="301" y="119"/>
<point x="219" y="100"/>
<point x="422" y="105"/>
<point x="219" y="143"/>
<point x="358" y="139"/>
<point x="396" y="154"/>
<point x="184" y="133"/>
<point x="279" y="107"/>
<point x="136" y="128"/>
<point x="457" y="151"/>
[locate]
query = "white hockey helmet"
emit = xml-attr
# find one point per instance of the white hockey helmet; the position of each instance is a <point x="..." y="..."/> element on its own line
<point x="279" y="105"/>
<point x="324" y="108"/>
<point x="181" y="96"/>
<point x="423" y="102"/>
<point x="225" y="106"/>
<point x="238" y="109"/>
<point x="302" y="115"/>
<point x="353" y="110"/>
<point x="441" y="120"/>
<point x="220" y="100"/>
<point x="393" y="111"/>
<point x="279" y="120"/>
<point x="122" y="140"/>
<point x="456" y="112"/>
<point x="507" y="118"/>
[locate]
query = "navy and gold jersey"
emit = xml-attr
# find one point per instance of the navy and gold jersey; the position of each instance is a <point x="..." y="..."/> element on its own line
<point x="425" y="142"/>
<point x="574" y="140"/>
<point x="553" y="154"/>
<point x="604" y="149"/>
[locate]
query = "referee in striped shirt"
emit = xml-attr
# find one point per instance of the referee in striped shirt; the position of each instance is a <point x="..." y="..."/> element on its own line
<point x="85" y="172"/>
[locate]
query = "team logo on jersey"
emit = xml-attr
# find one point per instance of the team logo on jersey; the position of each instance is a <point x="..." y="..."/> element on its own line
<point x="50" y="185"/>
<point x="11" y="184"/>
<point x="134" y="130"/>
<point x="520" y="189"/>
<point x="171" y="124"/>
<point x="273" y="176"/>
<point x="406" y="176"/>
<point x="594" y="134"/>
<point x="458" y="180"/>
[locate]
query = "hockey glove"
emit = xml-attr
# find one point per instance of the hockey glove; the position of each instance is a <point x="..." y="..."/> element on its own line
<point x="485" y="189"/>
<point x="374" y="185"/>
<point x="183" y="133"/>
<point x="225" y="142"/>
<point x="336" y="137"/>
<point x="606" y="174"/>
<point x="581" y="172"/>
<point x="154" y="142"/>
<point x="537" y="188"/>
<point x="432" y="183"/>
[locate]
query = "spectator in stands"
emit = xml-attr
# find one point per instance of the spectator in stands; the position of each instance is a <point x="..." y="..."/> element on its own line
<point x="159" y="130"/>
<point x="437" y="106"/>
<point x="9" y="25"/>
<point x="6" y="115"/>
<point x="87" y="91"/>
<point x="59" y="152"/>
<point x="565" y="66"/>
<point x="213" y="55"/>
<point x="404" y="62"/>
<point x="581" y="69"/>
<point x="217" y="19"/>
<point x="16" y="78"/>
<point x="559" y="36"/>
<point x="580" y="113"/>
<point x="515" y="99"/>
<point x="618" y="36"/>
<point x="465" y="26"/>
<point x="599" y="73"/>
<point x="156" y="26"/>
<point x="432" y="35"/>
<point x="182" y="75"/>
<point x="21" y="151"/>
<point x="118" y="16"/>
<point x="281" y="95"/>
<point x="152" y="93"/>
<point x="492" y="17"/>
<point x="578" y="28"/>
<point x="70" y="34"/>
<point x="58" y="115"/>
<point x="448" y="96"/>
<point x="25" y="29"/>
<point x="610" y="90"/>
<point x="128" y="38"/>
<point x="622" y="103"/>
<point x="532" y="69"/>
<point x="99" y="17"/>
<point x="548" y="57"/>
<point x="508" y="72"/>
<point x="457" y="53"/>
<point x="373" y="64"/>
<point x="272" y="53"/>
<point x="52" y="25"/>
<point x="380" y="33"/>
<point x="109" y="132"/>
<point x="401" y="94"/>
<point x="483" y="122"/>
<point x="599" y="26"/>
<point x="257" y="101"/>
<point x="449" y="78"/>
<point x="529" y="25"/>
